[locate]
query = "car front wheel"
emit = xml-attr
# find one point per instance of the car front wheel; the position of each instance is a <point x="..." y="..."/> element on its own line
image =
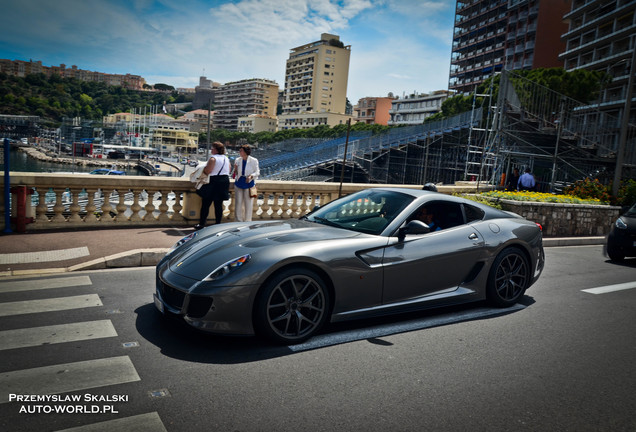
<point x="292" y="306"/>
<point x="509" y="277"/>
<point x="614" y="253"/>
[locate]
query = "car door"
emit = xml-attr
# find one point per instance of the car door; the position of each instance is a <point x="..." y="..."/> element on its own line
<point x="428" y="264"/>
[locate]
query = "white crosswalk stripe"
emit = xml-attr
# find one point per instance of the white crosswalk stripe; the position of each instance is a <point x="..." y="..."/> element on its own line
<point x="54" y="334"/>
<point x="67" y="377"/>
<point x="140" y="423"/>
<point x="49" y="305"/>
<point x="60" y="379"/>
<point x="33" y="285"/>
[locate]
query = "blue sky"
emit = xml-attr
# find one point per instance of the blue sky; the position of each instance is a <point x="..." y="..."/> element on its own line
<point x="397" y="46"/>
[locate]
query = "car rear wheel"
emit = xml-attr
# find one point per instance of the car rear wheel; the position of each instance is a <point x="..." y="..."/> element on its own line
<point x="509" y="277"/>
<point x="292" y="306"/>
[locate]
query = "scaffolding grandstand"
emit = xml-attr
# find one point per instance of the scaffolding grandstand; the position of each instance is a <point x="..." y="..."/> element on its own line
<point x="525" y="125"/>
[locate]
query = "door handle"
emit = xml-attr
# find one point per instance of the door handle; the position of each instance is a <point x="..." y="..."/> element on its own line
<point x="473" y="236"/>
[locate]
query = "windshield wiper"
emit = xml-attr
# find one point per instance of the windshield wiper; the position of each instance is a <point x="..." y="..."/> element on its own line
<point x="326" y="222"/>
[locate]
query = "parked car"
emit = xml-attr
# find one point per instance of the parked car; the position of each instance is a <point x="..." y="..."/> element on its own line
<point x="363" y="255"/>
<point x="621" y="241"/>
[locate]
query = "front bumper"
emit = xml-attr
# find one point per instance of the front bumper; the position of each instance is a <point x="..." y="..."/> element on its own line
<point x="623" y="240"/>
<point x="220" y="310"/>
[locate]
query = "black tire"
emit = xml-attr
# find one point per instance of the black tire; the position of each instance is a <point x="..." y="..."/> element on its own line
<point x="614" y="253"/>
<point x="509" y="277"/>
<point x="292" y="306"/>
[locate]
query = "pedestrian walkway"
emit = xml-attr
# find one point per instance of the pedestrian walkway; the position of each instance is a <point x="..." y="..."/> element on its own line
<point x="66" y="250"/>
<point x="53" y="386"/>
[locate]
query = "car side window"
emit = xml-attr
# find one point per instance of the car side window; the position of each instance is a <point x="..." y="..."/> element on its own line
<point x="451" y="215"/>
<point x="439" y="215"/>
<point x="473" y="213"/>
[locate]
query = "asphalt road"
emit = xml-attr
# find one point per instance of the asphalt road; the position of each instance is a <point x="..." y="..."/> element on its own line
<point x="563" y="360"/>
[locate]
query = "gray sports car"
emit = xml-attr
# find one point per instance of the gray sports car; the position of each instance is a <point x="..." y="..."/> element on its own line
<point x="378" y="251"/>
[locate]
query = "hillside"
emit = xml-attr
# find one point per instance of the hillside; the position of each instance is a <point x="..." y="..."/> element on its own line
<point x="54" y="98"/>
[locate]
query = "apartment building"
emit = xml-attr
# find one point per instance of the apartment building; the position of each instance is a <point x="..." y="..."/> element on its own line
<point x="242" y="98"/>
<point x="175" y="140"/>
<point x="22" y="68"/>
<point x="255" y="123"/>
<point x="602" y="37"/>
<point x="491" y="35"/>
<point x="316" y="77"/>
<point x="413" y="109"/>
<point x="373" y="110"/>
<point x="198" y="119"/>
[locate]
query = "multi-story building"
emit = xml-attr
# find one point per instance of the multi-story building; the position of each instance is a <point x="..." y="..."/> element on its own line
<point x="413" y="109"/>
<point x="316" y="77"/>
<point x="602" y="37"/>
<point x="175" y="140"/>
<point x="491" y="35"/>
<point x="198" y="119"/>
<point x="22" y="68"/>
<point x="255" y="123"/>
<point x="373" y="110"/>
<point x="242" y="98"/>
<point x="310" y="120"/>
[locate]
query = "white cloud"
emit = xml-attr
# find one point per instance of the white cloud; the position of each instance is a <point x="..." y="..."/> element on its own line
<point x="396" y="44"/>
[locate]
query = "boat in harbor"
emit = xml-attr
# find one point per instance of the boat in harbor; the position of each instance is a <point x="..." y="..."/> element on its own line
<point x="107" y="171"/>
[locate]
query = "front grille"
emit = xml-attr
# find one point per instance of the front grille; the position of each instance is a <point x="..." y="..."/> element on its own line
<point x="199" y="306"/>
<point x="171" y="296"/>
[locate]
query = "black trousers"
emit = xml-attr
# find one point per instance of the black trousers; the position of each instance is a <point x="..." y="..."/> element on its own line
<point x="214" y="192"/>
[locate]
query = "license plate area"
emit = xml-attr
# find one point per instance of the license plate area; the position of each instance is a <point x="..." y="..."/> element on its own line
<point x="158" y="304"/>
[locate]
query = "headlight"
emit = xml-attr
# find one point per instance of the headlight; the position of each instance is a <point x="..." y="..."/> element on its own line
<point x="228" y="267"/>
<point x="620" y="224"/>
<point x="182" y="241"/>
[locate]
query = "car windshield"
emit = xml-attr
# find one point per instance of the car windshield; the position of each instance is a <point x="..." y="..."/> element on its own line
<point x="368" y="211"/>
<point x="631" y="212"/>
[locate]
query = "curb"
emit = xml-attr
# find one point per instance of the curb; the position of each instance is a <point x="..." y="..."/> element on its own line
<point x="132" y="258"/>
<point x="573" y="241"/>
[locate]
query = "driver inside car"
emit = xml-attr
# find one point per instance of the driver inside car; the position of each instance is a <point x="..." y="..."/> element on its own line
<point x="427" y="215"/>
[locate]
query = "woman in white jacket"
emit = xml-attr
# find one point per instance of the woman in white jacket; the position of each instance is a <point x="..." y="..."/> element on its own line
<point x="246" y="171"/>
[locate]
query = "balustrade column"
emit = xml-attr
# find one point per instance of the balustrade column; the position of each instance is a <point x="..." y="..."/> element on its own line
<point x="163" y="207"/>
<point x="75" y="208"/>
<point x="177" y="207"/>
<point x="121" y="207"/>
<point x="150" y="207"/>
<point x="106" y="217"/>
<point x="41" y="209"/>
<point x="136" y="207"/>
<point x="58" y="208"/>
<point x="90" y="217"/>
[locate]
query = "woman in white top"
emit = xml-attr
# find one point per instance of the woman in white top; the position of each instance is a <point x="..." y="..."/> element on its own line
<point x="246" y="171"/>
<point x="217" y="190"/>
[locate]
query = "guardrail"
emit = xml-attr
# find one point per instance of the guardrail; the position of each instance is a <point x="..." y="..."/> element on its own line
<point x="60" y="201"/>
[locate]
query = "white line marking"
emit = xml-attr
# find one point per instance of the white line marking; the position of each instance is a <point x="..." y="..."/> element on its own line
<point x="33" y="285"/>
<point x="611" y="288"/>
<point x="54" y="334"/>
<point x="44" y="256"/>
<point x="150" y="422"/>
<point x="49" y="305"/>
<point x="68" y="377"/>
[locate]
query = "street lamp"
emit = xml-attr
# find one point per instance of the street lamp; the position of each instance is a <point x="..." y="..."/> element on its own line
<point x="620" y="155"/>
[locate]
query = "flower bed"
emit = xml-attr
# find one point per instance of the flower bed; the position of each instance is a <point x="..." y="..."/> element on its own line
<point x="560" y="215"/>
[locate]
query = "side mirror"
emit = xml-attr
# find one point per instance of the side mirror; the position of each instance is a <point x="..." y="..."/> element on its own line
<point x="413" y="227"/>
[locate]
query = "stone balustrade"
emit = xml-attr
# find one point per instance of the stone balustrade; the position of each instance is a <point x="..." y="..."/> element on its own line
<point x="78" y="201"/>
<point x="99" y="201"/>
